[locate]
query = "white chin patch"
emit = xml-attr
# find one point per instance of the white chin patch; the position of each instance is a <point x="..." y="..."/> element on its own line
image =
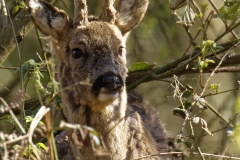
<point x="108" y="96"/>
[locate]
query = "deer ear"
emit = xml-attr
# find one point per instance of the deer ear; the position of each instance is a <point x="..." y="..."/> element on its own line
<point x="129" y="14"/>
<point x="48" y="19"/>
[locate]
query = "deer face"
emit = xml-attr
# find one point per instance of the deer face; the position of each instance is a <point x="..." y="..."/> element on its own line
<point x="94" y="58"/>
<point x="92" y="55"/>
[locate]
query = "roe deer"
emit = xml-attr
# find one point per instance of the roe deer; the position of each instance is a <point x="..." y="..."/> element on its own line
<point x="92" y="72"/>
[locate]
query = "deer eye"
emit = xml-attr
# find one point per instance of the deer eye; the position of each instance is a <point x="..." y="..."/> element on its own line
<point x="121" y="50"/>
<point x="77" y="53"/>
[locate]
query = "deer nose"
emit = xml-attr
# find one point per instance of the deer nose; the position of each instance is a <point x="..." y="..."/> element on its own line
<point x="108" y="82"/>
<point x="112" y="83"/>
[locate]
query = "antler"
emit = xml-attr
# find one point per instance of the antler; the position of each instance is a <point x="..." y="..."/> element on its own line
<point x="108" y="13"/>
<point x="80" y="13"/>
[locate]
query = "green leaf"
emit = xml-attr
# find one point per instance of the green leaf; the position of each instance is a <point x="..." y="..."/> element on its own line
<point x="53" y="86"/>
<point x="187" y="92"/>
<point x="222" y="10"/>
<point x="22" y="4"/>
<point x="179" y="112"/>
<point x="15" y="9"/>
<point x="41" y="146"/>
<point x="214" y="86"/>
<point x="206" y="61"/>
<point x="204" y="7"/>
<point x="28" y="119"/>
<point x="179" y="140"/>
<point x="206" y="46"/>
<point x="188" y="145"/>
<point x="233" y="9"/>
<point x="229" y="3"/>
<point x="5" y="116"/>
<point x="187" y="104"/>
<point x="141" y="66"/>
<point x="229" y="11"/>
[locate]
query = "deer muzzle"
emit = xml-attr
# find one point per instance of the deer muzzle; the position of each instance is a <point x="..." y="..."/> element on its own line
<point x="108" y="86"/>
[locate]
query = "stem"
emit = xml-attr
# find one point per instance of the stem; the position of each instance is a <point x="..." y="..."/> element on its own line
<point x="225" y="150"/>
<point x="233" y="89"/>
<point x="22" y="112"/>
<point x="48" y="135"/>
<point x="219" y="64"/>
<point x="198" y="148"/>
<point x="227" y="30"/>
<point x="54" y="146"/>
<point x="217" y="113"/>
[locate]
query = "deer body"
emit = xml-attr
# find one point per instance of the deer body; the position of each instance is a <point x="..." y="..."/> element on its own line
<point x="92" y="72"/>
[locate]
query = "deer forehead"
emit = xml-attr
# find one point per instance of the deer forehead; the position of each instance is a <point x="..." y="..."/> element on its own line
<point x="97" y="34"/>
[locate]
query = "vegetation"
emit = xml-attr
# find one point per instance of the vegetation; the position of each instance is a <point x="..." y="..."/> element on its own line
<point x="187" y="51"/>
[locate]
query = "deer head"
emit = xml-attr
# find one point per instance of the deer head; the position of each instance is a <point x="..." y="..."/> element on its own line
<point x="92" y="70"/>
<point x="91" y="51"/>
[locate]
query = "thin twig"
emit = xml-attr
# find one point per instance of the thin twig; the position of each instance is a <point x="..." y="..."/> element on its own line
<point x="227" y="31"/>
<point x="225" y="149"/>
<point x="192" y="153"/>
<point x="22" y="113"/>
<point x="215" y="8"/>
<point x="225" y="127"/>
<point x="170" y="72"/>
<point x="219" y="64"/>
<point x="198" y="148"/>
<point x="182" y="129"/>
<point x="17" y="139"/>
<point x="4" y="86"/>
<point x="207" y="20"/>
<point x="18" y="49"/>
<point x="13" y="116"/>
<point x="54" y="146"/>
<point x="213" y="94"/>
<point x="216" y="112"/>
<point x="17" y="68"/>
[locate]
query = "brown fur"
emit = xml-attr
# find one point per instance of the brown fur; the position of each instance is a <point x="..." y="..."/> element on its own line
<point x="130" y="127"/>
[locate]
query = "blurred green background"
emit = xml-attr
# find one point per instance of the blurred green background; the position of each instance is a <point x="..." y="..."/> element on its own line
<point x="156" y="40"/>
